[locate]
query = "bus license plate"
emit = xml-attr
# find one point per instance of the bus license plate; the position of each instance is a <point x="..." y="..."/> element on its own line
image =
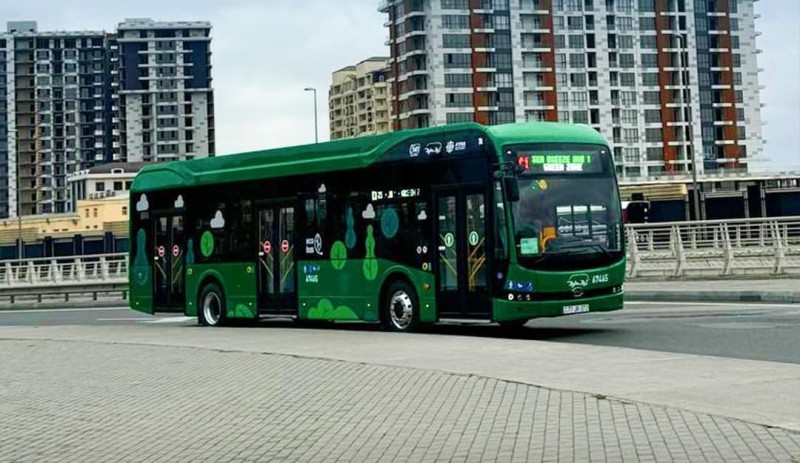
<point x="573" y="309"/>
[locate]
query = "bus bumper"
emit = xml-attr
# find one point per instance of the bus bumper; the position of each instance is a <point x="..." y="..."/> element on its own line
<point x="504" y="310"/>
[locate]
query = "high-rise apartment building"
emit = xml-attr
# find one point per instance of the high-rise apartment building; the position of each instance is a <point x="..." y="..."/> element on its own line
<point x="166" y="100"/>
<point x="73" y="99"/>
<point x="54" y="114"/>
<point x="358" y="100"/>
<point x="658" y="78"/>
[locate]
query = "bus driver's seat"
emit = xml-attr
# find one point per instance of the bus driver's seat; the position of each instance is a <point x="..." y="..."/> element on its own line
<point x="547" y="234"/>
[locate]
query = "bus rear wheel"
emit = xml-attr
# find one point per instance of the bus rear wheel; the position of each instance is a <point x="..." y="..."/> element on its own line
<point x="401" y="308"/>
<point x="212" y="306"/>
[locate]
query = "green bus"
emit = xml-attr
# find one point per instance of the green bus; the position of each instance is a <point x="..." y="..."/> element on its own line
<point x="503" y="224"/>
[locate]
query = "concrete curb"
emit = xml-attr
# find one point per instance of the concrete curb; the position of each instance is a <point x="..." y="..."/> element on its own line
<point x="778" y="297"/>
<point x="54" y="305"/>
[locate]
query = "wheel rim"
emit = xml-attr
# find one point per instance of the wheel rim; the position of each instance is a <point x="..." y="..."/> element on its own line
<point x="212" y="309"/>
<point x="401" y="310"/>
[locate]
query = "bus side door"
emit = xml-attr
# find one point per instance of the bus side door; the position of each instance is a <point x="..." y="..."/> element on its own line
<point x="462" y="263"/>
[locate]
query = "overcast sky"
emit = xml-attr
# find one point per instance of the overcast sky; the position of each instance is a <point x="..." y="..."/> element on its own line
<point x="265" y="52"/>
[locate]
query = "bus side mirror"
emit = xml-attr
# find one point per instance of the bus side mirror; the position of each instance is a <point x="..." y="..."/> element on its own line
<point x="511" y="186"/>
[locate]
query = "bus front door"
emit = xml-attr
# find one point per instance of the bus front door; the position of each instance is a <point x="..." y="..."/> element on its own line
<point x="168" y="264"/>
<point x="462" y="268"/>
<point x="277" y="280"/>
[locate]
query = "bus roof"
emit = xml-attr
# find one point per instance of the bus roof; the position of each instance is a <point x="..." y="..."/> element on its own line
<point x="346" y="154"/>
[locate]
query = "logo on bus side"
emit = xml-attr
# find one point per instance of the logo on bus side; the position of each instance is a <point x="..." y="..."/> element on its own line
<point x="577" y="283"/>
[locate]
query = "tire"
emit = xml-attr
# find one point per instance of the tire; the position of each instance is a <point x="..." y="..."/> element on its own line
<point x="513" y="324"/>
<point x="211" y="306"/>
<point x="400" y="308"/>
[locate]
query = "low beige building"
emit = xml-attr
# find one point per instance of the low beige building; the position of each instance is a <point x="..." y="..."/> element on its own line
<point x="358" y="100"/>
<point x="93" y="217"/>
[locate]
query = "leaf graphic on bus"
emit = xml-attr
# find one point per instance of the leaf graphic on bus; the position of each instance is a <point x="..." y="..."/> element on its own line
<point x="350" y="235"/>
<point x="370" y="265"/>
<point x="141" y="267"/>
<point x="338" y="255"/>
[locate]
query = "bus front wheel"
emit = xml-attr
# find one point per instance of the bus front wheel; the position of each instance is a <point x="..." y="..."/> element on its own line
<point x="401" y="307"/>
<point x="212" y="306"/>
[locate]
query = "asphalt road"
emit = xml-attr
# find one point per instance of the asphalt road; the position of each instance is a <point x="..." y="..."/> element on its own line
<point x="747" y="331"/>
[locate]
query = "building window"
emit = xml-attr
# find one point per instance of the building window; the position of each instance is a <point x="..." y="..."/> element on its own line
<point x="124" y="210"/>
<point x="577" y="60"/>
<point x="100" y="186"/>
<point x="650" y="79"/>
<point x="631" y="154"/>
<point x="455" y="21"/>
<point x="649" y="60"/>
<point x="457" y="61"/>
<point x="455" y="118"/>
<point x="503" y="80"/>
<point x="652" y="116"/>
<point x="652" y="135"/>
<point x="459" y="100"/>
<point x="458" y="80"/>
<point x="629" y="116"/>
<point x="455" y="41"/>
<point x="630" y="135"/>
<point x="455" y="5"/>
<point x="652" y="97"/>
<point x="576" y="41"/>
<point x="580" y="117"/>
<point x="94" y="211"/>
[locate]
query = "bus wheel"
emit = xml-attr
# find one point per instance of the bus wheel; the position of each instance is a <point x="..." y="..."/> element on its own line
<point x="212" y="306"/>
<point x="401" y="307"/>
<point x="513" y="324"/>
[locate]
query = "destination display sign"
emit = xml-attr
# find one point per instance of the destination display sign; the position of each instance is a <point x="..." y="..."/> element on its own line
<point x="560" y="162"/>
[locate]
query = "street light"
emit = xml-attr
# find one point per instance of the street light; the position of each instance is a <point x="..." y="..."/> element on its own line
<point x="316" y="129"/>
<point x="695" y="188"/>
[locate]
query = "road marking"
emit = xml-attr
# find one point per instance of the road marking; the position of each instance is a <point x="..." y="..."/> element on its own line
<point x="170" y="320"/>
<point x="92" y="309"/>
<point x="715" y="304"/>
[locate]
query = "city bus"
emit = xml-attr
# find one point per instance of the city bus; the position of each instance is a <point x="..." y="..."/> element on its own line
<point x="500" y="224"/>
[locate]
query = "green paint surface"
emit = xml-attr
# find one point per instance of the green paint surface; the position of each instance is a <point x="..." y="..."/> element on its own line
<point x="339" y="155"/>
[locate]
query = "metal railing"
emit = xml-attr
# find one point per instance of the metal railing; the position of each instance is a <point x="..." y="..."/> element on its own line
<point x="56" y="271"/>
<point x="746" y="247"/>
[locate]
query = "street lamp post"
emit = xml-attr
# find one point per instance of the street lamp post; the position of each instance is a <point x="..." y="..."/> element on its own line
<point x="316" y="126"/>
<point x="685" y="118"/>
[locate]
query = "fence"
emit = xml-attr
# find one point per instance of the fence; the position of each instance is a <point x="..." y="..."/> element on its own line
<point x="749" y="247"/>
<point x="104" y="273"/>
<point x="746" y="247"/>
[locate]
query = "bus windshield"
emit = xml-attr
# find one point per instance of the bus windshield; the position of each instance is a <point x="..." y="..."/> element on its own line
<point x="568" y="214"/>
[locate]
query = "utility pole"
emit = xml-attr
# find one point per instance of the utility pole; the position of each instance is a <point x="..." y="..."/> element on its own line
<point x="684" y="118"/>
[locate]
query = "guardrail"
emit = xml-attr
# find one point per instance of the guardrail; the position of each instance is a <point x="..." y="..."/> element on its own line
<point x="61" y="276"/>
<point x="746" y="247"/>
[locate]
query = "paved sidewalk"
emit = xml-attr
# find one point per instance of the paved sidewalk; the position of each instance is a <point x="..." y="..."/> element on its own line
<point x="89" y="401"/>
<point x="776" y="290"/>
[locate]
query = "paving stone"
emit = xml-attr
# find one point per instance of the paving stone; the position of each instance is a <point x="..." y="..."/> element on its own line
<point x="76" y="401"/>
